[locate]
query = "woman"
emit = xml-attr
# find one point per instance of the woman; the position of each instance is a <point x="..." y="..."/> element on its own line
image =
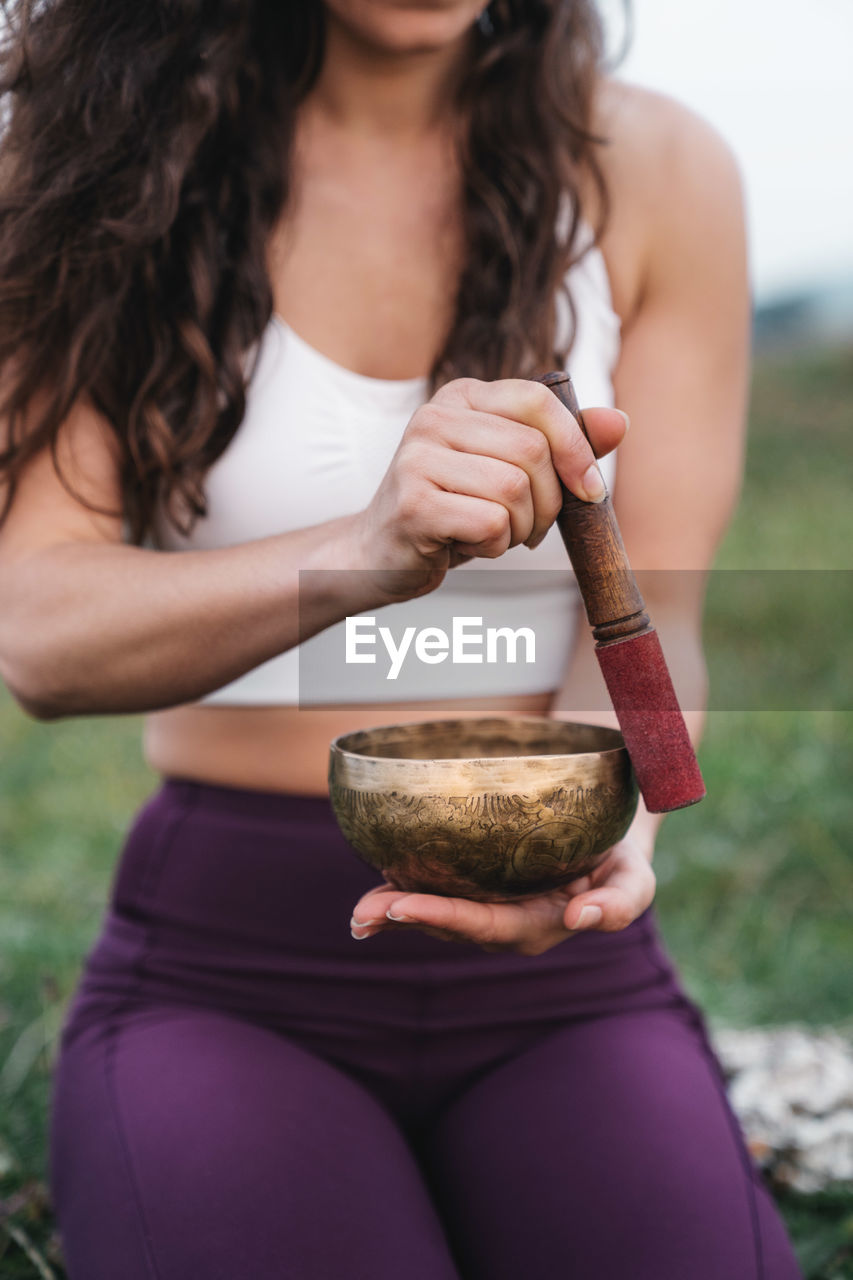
<point x="360" y="214"/>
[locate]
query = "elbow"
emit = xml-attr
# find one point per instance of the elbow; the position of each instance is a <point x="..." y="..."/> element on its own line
<point x="38" y="703"/>
<point x="35" y="686"/>
<point x="37" y="710"/>
<point x="36" y="654"/>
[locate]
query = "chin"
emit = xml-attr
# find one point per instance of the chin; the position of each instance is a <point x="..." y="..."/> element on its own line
<point x="405" y="26"/>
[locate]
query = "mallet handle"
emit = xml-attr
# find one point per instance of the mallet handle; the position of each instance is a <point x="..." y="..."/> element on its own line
<point x="610" y="593"/>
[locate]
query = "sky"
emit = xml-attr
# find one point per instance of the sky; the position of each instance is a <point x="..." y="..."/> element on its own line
<point x="776" y="79"/>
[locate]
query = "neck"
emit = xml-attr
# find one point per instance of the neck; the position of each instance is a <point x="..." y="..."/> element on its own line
<point x="384" y="93"/>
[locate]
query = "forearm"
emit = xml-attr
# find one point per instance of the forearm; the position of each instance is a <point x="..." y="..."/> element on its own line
<point x="90" y="628"/>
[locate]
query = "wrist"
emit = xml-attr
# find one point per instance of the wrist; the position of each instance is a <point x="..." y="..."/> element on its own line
<point x="644" y="829"/>
<point x="334" y="581"/>
<point x="389" y="572"/>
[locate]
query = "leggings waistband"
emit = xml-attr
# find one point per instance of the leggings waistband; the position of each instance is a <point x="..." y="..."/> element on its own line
<point x="246" y="802"/>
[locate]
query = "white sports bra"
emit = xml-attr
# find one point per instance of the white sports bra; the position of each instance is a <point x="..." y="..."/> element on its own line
<point x="314" y="443"/>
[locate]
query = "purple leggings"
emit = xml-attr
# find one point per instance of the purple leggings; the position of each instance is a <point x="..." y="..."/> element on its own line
<point x="246" y="1093"/>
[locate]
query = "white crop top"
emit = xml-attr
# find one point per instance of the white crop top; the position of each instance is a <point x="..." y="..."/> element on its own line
<point x="315" y="442"/>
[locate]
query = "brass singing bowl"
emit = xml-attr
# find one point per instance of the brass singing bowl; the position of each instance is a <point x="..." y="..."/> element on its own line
<point x="483" y="808"/>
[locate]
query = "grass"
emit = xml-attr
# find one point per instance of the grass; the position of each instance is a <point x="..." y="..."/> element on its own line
<point x="754" y="894"/>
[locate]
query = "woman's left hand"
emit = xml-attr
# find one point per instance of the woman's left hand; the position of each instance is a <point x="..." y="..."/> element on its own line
<point x="609" y="899"/>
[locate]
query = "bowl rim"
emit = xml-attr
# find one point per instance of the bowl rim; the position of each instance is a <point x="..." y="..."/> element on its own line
<point x="336" y="747"/>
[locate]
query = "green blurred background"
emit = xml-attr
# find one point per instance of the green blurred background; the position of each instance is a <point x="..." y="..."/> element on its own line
<point x="755" y="888"/>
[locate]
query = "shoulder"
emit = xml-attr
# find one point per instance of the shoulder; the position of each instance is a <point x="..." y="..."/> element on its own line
<point x="674" y="187"/>
<point x="645" y="128"/>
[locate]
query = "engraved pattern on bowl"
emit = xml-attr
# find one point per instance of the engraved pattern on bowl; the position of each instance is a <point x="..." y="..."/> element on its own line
<point x="490" y="808"/>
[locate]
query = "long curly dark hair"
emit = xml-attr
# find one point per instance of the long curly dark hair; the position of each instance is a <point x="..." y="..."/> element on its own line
<point x="143" y="165"/>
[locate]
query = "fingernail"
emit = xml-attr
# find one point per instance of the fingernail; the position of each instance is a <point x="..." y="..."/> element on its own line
<point x="589" y="917"/>
<point x="362" y="924"/>
<point x="360" y="937"/>
<point x="398" y="919"/>
<point x="625" y="416"/>
<point x="593" y="484"/>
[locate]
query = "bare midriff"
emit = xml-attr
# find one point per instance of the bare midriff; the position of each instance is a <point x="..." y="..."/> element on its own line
<point x="287" y="748"/>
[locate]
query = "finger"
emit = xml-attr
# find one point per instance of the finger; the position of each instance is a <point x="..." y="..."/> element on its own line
<point x="535" y="405"/>
<point x="369" y="913"/>
<point x="488" y="435"/>
<point x="372" y="906"/>
<point x="491" y="478"/>
<point x="527" y="926"/>
<point x="619" y="904"/>
<point x="625" y="868"/>
<point x="491" y="437"/>
<point x="474" y="526"/>
<point x="464" y="525"/>
<point x="605" y="429"/>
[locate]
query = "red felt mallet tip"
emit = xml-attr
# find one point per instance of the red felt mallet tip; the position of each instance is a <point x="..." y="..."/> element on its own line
<point x="651" y="722"/>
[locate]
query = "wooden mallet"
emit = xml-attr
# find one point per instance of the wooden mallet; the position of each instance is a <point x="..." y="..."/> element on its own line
<point x="627" y="645"/>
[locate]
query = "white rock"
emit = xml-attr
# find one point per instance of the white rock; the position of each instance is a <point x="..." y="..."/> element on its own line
<point x="792" y="1090"/>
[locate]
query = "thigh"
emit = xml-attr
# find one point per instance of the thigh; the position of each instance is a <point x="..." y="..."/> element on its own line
<point x="608" y="1150"/>
<point x="192" y="1144"/>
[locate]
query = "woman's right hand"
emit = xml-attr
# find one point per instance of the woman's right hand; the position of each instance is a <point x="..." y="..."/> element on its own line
<point x="90" y="626"/>
<point x="476" y="472"/>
